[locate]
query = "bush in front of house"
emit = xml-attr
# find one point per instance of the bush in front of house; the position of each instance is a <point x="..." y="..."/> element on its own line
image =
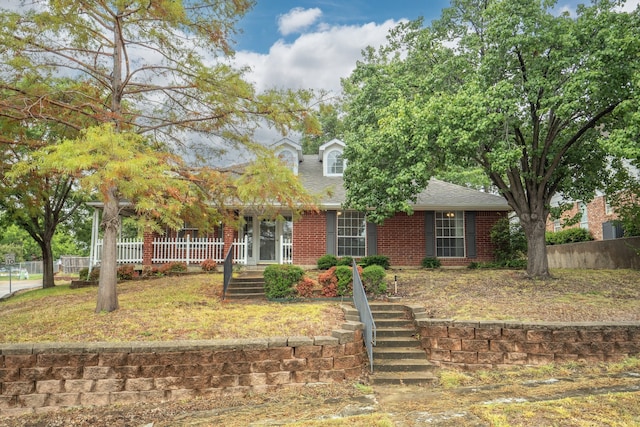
<point x="94" y="275"/>
<point x="570" y="235"/>
<point x="430" y="262"/>
<point x="381" y="260"/>
<point x="327" y="261"/>
<point x="337" y="281"/>
<point x="373" y="279"/>
<point x="280" y="280"/>
<point x="209" y="266"/>
<point x="125" y="272"/>
<point x="305" y="287"/>
<point x="509" y="241"/>
<point x="345" y="260"/>
<point x="173" y="267"/>
<point x="83" y="273"/>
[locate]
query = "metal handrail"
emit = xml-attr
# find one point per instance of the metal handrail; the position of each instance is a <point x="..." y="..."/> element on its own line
<point x="227" y="271"/>
<point x="364" y="310"/>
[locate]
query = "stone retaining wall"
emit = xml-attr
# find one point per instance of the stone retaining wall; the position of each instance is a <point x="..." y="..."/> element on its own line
<point x="46" y="376"/>
<point x="490" y="344"/>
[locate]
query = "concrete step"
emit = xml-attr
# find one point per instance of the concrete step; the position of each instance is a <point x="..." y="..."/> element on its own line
<point x="384" y="306"/>
<point x="395" y="353"/>
<point x="404" y="365"/>
<point x="408" y="342"/>
<point x="245" y="289"/>
<point x="394" y="332"/>
<point x="386" y="314"/>
<point x="403" y="378"/>
<point x="234" y="296"/>
<point x="393" y="323"/>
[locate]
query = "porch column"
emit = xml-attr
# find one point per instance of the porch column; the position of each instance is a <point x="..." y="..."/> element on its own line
<point x="228" y="234"/>
<point x="147" y="248"/>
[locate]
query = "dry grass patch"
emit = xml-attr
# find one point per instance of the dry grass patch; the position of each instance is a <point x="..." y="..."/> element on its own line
<point x="571" y="296"/>
<point x="169" y="308"/>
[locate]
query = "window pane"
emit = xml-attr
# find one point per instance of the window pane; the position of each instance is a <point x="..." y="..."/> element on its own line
<point x="352" y="231"/>
<point x="450" y="234"/>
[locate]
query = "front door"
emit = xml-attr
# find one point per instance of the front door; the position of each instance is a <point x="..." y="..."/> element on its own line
<point x="268" y="241"/>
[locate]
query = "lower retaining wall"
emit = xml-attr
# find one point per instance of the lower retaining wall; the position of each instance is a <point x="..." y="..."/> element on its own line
<point x="46" y="376"/>
<point x="490" y="344"/>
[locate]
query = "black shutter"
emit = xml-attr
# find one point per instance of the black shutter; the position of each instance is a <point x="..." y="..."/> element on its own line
<point x="372" y="239"/>
<point x="332" y="228"/>
<point x="430" y="233"/>
<point x="470" y="234"/>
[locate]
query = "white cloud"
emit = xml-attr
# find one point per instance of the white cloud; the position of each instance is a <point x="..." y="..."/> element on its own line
<point x="316" y="60"/>
<point x="629" y="6"/>
<point x="297" y="19"/>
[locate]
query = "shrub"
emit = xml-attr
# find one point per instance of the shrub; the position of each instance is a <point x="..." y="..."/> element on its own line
<point x="329" y="283"/>
<point x="509" y="240"/>
<point x="345" y="282"/>
<point x="570" y="235"/>
<point x="381" y="260"/>
<point x="373" y="279"/>
<point x="94" y="275"/>
<point x="83" y="273"/>
<point x="209" y="266"/>
<point x="173" y="267"/>
<point x="305" y="287"/>
<point x="325" y="262"/>
<point x="125" y="272"/>
<point x="430" y="262"/>
<point x="345" y="260"/>
<point x="280" y="280"/>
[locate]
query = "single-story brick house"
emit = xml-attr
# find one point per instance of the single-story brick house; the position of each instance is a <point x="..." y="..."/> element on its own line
<point x="450" y="222"/>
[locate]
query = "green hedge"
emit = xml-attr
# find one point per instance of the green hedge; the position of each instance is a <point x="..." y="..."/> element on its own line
<point x="280" y="280"/>
<point x="373" y="279"/>
<point x="570" y="235"/>
<point x="381" y="260"/>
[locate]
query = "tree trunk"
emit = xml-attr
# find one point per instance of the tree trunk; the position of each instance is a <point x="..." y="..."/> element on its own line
<point x="537" y="263"/>
<point x="47" y="263"/>
<point x="107" y="295"/>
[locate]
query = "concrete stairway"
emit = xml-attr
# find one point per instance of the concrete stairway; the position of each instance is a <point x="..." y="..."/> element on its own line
<point x="397" y="356"/>
<point x="249" y="285"/>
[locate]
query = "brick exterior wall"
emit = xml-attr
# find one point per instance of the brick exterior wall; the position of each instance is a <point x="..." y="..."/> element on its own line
<point x="309" y="238"/>
<point x="48" y="376"/>
<point x="596" y="216"/>
<point x="402" y="238"/>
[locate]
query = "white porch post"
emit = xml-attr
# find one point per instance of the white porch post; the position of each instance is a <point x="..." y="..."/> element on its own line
<point x="94" y="237"/>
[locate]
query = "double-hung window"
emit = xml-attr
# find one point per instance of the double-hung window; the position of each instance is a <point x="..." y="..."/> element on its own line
<point x="352" y="234"/>
<point x="450" y="234"/>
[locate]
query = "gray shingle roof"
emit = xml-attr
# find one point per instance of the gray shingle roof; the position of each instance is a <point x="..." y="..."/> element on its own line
<point x="438" y="195"/>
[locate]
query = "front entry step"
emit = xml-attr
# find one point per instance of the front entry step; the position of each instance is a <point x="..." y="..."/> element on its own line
<point x="246" y="287"/>
<point x="398" y="357"/>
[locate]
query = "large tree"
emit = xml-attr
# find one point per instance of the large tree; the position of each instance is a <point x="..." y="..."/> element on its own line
<point x="516" y="87"/>
<point x="156" y="68"/>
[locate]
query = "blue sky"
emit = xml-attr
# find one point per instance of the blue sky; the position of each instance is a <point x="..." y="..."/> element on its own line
<point x="261" y="24"/>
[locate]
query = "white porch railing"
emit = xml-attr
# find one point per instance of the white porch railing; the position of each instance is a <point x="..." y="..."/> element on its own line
<point x="129" y="251"/>
<point x="170" y="249"/>
<point x="286" y="251"/>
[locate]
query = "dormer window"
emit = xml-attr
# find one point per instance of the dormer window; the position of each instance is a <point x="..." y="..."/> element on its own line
<point x="289" y="159"/>
<point x="335" y="163"/>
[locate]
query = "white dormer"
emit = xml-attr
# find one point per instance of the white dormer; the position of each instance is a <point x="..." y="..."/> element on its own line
<point x="331" y="156"/>
<point x="289" y="152"/>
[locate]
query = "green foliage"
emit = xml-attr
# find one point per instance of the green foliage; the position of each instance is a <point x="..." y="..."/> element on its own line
<point x="344" y="275"/>
<point x="516" y="264"/>
<point x="509" y="240"/>
<point x="327" y="261"/>
<point x="373" y="279"/>
<point x="280" y="280"/>
<point x="345" y="260"/>
<point x="430" y="262"/>
<point x="381" y="260"/>
<point x="569" y="235"/>
<point x="83" y="273"/>
<point x="509" y="98"/>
